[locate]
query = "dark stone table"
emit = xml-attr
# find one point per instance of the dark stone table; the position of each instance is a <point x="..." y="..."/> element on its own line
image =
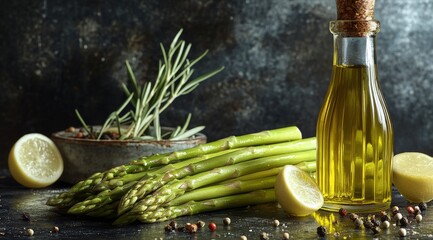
<point x="250" y="221"/>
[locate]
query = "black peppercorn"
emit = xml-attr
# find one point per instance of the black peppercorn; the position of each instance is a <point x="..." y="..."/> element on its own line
<point x="321" y="231"/>
<point x="404" y="222"/>
<point x="384" y="218"/>
<point x="368" y="225"/>
<point x="375" y="230"/>
<point x="422" y="206"/>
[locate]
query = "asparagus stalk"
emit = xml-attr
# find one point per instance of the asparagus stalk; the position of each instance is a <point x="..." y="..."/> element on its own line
<point x="226" y="189"/>
<point x="123" y="183"/>
<point x="240" y="200"/>
<point x="146" y="186"/>
<point x="176" y="188"/>
<point x="101" y="199"/>
<point x="260" y="138"/>
<point x="80" y="190"/>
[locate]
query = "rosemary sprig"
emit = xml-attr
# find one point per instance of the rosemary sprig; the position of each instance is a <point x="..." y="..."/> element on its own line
<point x="150" y="99"/>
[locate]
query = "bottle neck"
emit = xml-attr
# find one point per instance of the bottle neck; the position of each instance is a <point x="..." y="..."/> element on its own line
<point x="354" y="42"/>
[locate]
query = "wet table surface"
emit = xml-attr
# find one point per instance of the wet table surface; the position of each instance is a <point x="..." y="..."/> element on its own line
<point x="250" y="221"/>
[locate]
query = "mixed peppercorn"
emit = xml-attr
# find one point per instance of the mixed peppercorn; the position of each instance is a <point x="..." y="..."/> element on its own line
<point x="375" y="223"/>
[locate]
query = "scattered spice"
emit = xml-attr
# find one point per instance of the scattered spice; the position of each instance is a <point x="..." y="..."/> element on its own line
<point x="2" y="233"/>
<point x="398" y="216"/>
<point x="321" y="231"/>
<point x="342" y="212"/>
<point x="227" y="221"/>
<point x="212" y="226"/>
<point x="422" y="206"/>
<point x="402" y="232"/>
<point x="418" y="218"/>
<point x="353" y="216"/>
<point x="416" y="210"/>
<point x="191" y="227"/>
<point x="358" y="223"/>
<point x="384" y="218"/>
<point x="173" y="225"/>
<point x="276" y="223"/>
<point x="55" y="229"/>
<point x="410" y="210"/>
<point x="201" y="224"/>
<point x="404" y="221"/>
<point x="168" y="228"/>
<point x="30" y="232"/>
<point x="385" y="225"/>
<point x="375" y="230"/>
<point x="264" y="236"/>
<point x="26" y="217"/>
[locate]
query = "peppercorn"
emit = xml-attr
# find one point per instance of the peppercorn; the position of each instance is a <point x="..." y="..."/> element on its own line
<point x="402" y="232"/>
<point x="418" y="218"/>
<point x="168" y="228"/>
<point x="410" y="210"/>
<point x="358" y="223"/>
<point x="243" y="237"/>
<point x="398" y="216"/>
<point x="422" y="206"/>
<point x="383" y="213"/>
<point x="227" y="221"/>
<point x="276" y="223"/>
<point x="394" y="210"/>
<point x="286" y="236"/>
<point x="337" y="234"/>
<point x="353" y="216"/>
<point x="55" y="229"/>
<point x="321" y="231"/>
<point x="173" y="224"/>
<point x="342" y="212"/>
<point x="368" y="225"/>
<point x="385" y="225"/>
<point x="404" y="222"/>
<point x="30" y="232"/>
<point x="384" y="218"/>
<point x="264" y="236"/>
<point x="416" y="210"/>
<point x="375" y="230"/>
<point x="200" y="224"/>
<point x="191" y="227"/>
<point x="212" y="226"/>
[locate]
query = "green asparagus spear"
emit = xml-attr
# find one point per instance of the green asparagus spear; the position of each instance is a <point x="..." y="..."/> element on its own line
<point x="83" y="189"/>
<point x="194" y="207"/>
<point x="178" y="187"/>
<point x="144" y="187"/>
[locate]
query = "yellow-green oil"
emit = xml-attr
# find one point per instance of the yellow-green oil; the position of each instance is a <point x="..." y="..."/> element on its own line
<point x="354" y="142"/>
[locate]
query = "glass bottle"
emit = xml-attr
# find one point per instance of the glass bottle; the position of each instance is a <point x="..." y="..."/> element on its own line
<point x="354" y="132"/>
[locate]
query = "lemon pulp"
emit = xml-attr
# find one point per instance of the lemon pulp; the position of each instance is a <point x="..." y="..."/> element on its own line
<point x="296" y="192"/>
<point x="413" y="176"/>
<point x="34" y="161"/>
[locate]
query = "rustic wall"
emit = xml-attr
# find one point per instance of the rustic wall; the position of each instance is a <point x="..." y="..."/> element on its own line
<point x="60" y="55"/>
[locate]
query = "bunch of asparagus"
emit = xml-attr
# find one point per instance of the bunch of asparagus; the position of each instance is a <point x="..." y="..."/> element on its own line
<point x="232" y="172"/>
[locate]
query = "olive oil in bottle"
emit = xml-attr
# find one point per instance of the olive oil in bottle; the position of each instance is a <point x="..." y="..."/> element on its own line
<point x="354" y="132"/>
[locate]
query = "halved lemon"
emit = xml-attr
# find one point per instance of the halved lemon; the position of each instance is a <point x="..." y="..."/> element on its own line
<point x="413" y="176"/>
<point x="296" y="192"/>
<point x="34" y="161"/>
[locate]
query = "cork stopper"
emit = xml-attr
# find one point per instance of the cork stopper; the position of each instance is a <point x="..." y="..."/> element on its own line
<point x="355" y="18"/>
<point x="355" y="9"/>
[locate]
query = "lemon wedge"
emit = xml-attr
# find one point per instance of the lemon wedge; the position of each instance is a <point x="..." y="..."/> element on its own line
<point x="413" y="176"/>
<point x="34" y="161"/>
<point x="296" y="192"/>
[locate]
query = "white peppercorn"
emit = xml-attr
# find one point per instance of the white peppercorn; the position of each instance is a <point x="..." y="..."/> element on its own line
<point x="402" y="232"/>
<point x="276" y="223"/>
<point x="418" y="218"/>
<point x="30" y="232"/>
<point x="385" y="225"/>
<point x="286" y="236"/>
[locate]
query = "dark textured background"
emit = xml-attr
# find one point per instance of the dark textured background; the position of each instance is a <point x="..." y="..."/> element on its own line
<point x="60" y="55"/>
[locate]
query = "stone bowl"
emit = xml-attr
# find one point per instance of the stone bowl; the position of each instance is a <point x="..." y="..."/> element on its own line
<point x="83" y="157"/>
